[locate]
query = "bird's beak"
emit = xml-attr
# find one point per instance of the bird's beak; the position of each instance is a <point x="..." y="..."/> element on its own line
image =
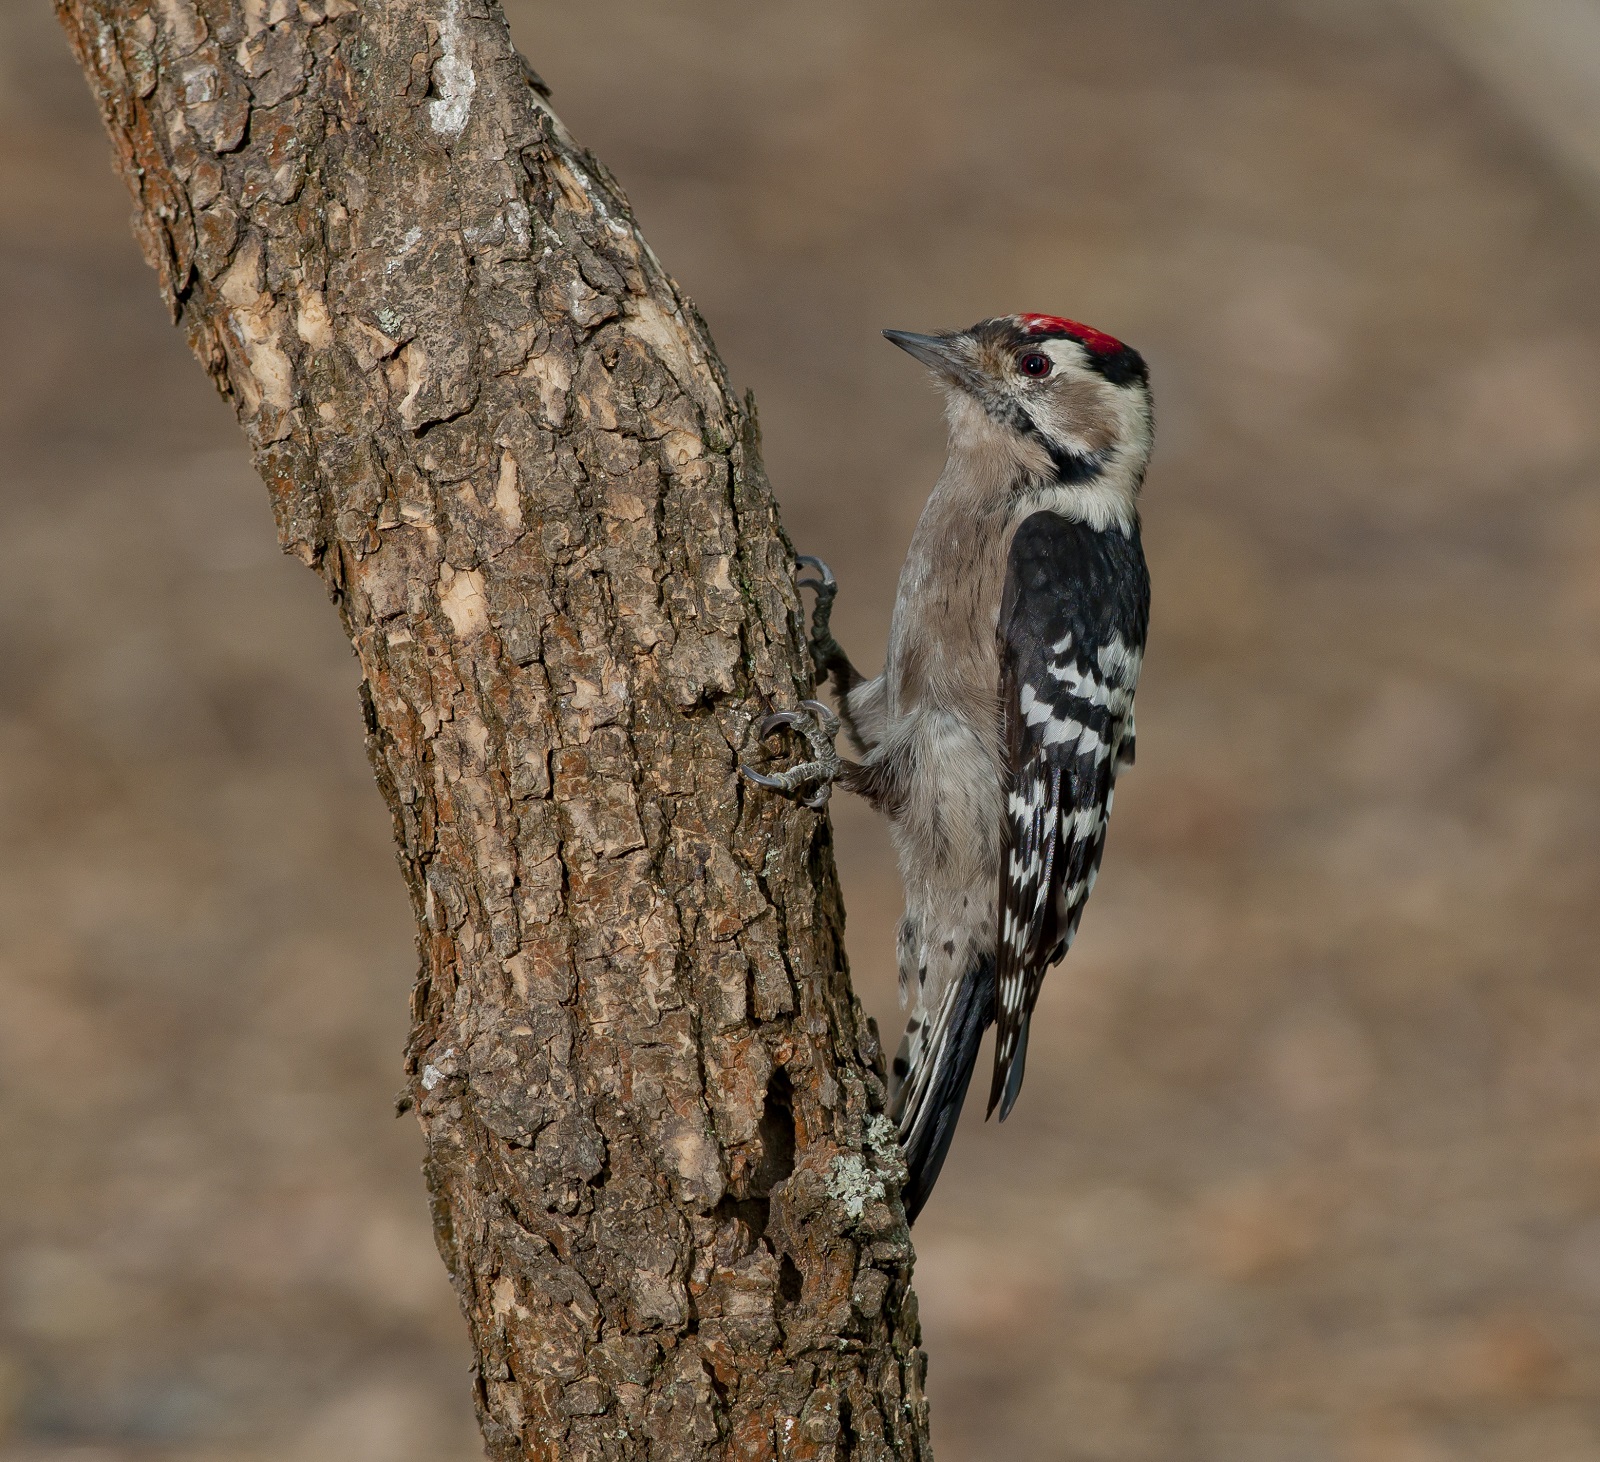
<point x="942" y="354"/>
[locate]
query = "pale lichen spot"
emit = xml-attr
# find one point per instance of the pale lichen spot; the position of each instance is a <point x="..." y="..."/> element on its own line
<point x="853" y="1184"/>
<point x="883" y="1139"/>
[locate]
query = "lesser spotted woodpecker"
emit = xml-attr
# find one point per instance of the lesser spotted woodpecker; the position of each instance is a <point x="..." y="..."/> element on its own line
<point x="994" y="736"/>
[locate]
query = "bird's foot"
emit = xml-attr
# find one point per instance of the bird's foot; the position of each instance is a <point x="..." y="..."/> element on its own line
<point x="826" y="652"/>
<point x="819" y="726"/>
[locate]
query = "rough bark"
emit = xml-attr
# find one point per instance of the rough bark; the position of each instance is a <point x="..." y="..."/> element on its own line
<point x="490" y="421"/>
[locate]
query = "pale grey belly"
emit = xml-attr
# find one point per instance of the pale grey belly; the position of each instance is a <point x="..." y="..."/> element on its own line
<point x="947" y="835"/>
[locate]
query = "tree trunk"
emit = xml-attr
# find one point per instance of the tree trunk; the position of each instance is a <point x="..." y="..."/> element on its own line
<point x="660" y="1173"/>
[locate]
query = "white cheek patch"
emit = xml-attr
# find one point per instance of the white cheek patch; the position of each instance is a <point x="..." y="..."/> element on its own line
<point x="1066" y="353"/>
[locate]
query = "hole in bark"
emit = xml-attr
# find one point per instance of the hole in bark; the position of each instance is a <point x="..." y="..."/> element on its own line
<point x="777" y="1135"/>
<point x="847" y="1436"/>
<point x="751" y="1212"/>
<point x="790" y="1281"/>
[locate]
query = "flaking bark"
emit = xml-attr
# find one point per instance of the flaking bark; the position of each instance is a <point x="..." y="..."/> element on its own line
<point x="493" y="425"/>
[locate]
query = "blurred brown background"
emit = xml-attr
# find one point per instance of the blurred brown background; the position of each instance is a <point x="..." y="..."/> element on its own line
<point x="1308" y="1164"/>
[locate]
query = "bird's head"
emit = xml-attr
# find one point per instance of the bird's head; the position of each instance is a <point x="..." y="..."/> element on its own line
<point x="1057" y="400"/>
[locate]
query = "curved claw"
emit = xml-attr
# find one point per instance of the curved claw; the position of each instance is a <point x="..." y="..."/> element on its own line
<point x="776" y="720"/>
<point x="811" y="561"/>
<point x="824" y="582"/>
<point x="772" y="784"/>
<point x="814" y="721"/>
<point x="824" y="717"/>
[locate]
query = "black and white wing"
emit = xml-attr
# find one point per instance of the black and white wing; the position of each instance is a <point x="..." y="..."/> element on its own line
<point x="1073" y="618"/>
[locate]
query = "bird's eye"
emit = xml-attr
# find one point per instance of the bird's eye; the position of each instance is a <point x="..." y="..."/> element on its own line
<point x="1034" y="365"/>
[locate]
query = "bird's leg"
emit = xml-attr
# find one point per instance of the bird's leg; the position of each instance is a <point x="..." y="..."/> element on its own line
<point x="819" y="726"/>
<point x="827" y="654"/>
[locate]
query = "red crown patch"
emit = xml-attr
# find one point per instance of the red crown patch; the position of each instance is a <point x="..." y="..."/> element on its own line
<point x="1096" y="342"/>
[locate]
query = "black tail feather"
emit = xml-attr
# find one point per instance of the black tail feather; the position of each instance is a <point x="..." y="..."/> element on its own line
<point x="1013" y="1073"/>
<point x="973" y="1014"/>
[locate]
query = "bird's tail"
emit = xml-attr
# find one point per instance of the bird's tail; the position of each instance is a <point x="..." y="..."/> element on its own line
<point x="931" y="1072"/>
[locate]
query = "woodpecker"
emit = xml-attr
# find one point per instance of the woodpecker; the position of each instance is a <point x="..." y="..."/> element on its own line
<point x="994" y="736"/>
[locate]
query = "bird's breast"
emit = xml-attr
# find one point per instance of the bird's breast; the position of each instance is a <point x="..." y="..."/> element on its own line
<point x="942" y="640"/>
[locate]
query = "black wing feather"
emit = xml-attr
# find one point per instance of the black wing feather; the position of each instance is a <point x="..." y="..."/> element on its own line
<point x="1073" y="619"/>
